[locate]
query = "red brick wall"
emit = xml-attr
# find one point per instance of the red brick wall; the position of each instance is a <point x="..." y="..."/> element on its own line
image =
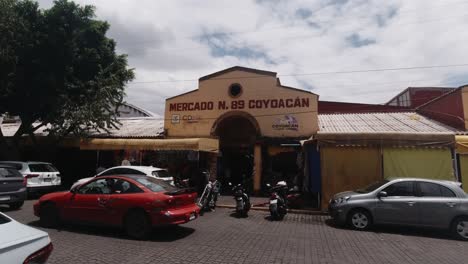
<point x="448" y="110"/>
<point x="327" y="107"/>
<point x="422" y="96"/>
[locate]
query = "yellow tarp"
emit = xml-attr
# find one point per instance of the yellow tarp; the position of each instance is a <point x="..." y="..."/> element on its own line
<point x="196" y="144"/>
<point x="464" y="171"/>
<point x="461" y="144"/>
<point x="348" y="168"/>
<point x="429" y="163"/>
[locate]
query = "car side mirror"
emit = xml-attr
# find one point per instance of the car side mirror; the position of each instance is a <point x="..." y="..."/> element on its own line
<point x="382" y="194"/>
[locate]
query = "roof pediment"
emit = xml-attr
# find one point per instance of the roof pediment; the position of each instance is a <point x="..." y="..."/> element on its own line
<point x="237" y="68"/>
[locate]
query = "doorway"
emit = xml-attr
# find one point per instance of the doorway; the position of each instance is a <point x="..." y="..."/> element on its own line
<point x="237" y="134"/>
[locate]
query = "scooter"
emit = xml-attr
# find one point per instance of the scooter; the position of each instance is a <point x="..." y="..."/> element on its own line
<point x="278" y="202"/>
<point x="242" y="200"/>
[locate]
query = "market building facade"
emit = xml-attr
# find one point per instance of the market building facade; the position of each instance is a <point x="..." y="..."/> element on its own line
<point x="258" y="123"/>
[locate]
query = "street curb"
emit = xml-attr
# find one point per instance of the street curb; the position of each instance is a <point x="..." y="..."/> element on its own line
<point x="293" y="211"/>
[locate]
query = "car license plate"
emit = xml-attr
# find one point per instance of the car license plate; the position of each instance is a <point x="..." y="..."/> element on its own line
<point x="273" y="201"/>
<point x="47" y="180"/>
<point x="192" y="217"/>
<point x="4" y="198"/>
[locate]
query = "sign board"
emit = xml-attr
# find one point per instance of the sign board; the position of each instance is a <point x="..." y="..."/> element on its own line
<point x="279" y="111"/>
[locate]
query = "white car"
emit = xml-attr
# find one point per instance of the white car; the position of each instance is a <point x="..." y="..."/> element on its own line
<point x="40" y="176"/>
<point x="21" y="244"/>
<point x="149" y="171"/>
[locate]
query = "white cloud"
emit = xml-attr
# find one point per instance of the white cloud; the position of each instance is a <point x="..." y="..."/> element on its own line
<point x="164" y="43"/>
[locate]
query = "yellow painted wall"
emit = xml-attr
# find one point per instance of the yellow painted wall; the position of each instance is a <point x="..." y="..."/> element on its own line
<point x="464" y="171"/>
<point x="180" y="123"/>
<point x="465" y="105"/>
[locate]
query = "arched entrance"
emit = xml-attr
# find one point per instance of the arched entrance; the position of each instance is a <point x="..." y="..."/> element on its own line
<point x="237" y="133"/>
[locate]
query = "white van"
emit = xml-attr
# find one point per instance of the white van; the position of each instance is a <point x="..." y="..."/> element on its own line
<point x="40" y="176"/>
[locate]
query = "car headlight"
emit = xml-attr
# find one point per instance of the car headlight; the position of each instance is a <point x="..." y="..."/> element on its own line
<point x="342" y="199"/>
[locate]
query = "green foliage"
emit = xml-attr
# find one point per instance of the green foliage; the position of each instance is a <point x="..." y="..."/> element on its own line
<point x="57" y="67"/>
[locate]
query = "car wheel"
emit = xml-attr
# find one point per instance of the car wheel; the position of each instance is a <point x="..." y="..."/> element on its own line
<point x="17" y="205"/>
<point x="460" y="228"/>
<point x="49" y="215"/>
<point x="359" y="220"/>
<point x="137" y="225"/>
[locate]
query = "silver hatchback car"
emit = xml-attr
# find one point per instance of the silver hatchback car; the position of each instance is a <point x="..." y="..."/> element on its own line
<point x="411" y="202"/>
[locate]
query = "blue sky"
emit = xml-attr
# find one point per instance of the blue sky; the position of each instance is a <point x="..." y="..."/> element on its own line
<point x="173" y="43"/>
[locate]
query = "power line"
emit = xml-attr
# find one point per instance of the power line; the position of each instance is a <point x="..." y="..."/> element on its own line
<point x="214" y="118"/>
<point x="314" y="73"/>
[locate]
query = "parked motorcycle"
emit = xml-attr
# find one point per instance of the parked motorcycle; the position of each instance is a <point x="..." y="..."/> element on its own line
<point x="209" y="197"/>
<point x="278" y="200"/>
<point x="242" y="200"/>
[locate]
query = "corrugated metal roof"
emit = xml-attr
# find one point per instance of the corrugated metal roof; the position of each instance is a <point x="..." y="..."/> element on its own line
<point x="398" y="122"/>
<point x="135" y="128"/>
<point x="9" y="129"/>
<point x="142" y="127"/>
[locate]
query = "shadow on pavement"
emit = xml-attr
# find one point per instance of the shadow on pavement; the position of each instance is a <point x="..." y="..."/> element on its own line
<point x="236" y="215"/>
<point x="400" y="230"/>
<point x="159" y="234"/>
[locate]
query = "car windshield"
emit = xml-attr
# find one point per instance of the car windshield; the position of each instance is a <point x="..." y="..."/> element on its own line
<point x="42" y="167"/>
<point x="161" y="174"/>
<point x="371" y="187"/>
<point x="156" y="185"/>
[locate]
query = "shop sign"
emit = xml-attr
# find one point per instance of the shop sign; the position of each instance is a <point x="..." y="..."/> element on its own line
<point x="190" y="118"/>
<point x="175" y="119"/>
<point x="241" y="104"/>
<point x="288" y="122"/>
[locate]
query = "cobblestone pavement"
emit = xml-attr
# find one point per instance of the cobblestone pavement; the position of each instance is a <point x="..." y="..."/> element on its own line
<point x="218" y="237"/>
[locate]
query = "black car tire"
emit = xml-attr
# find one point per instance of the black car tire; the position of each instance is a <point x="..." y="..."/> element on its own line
<point x="137" y="225"/>
<point x="359" y="219"/>
<point x="457" y="224"/>
<point x="49" y="215"/>
<point x="16" y="206"/>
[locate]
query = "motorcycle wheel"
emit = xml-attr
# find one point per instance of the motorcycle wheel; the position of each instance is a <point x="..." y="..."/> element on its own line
<point x="204" y="205"/>
<point x="274" y="212"/>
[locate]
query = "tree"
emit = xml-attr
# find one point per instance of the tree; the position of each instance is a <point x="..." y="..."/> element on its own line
<point x="58" y="68"/>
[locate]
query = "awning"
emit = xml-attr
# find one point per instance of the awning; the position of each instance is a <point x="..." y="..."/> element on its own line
<point x="428" y="163"/>
<point x="461" y="144"/>
<point x="382" y="138"/>
<point x="195" y="144"/>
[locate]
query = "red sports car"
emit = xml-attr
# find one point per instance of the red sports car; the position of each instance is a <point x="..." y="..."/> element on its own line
<point x="136" y="203"/>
